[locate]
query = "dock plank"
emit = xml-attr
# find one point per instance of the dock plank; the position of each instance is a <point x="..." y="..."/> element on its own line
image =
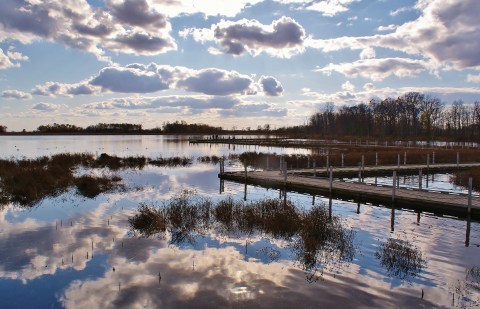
<point x="407" y="198"/>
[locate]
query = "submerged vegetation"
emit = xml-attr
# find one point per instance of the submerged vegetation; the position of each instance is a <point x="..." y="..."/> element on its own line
<point x="316" y="239"/>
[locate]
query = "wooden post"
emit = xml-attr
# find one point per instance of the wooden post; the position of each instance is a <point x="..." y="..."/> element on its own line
<point x="394" y="185"/>
<point x="342" y="160"/>
<point x="458" y="158"/>
<point x="469" y="196"/>
<point x="420" y="179"/>
<point x="433" y="157"/>
<point x="428" y="162"/>
<point x="359" y="172"/>
<point x="398" y="161"/>
<point x="327" y="163"/>
<point x="285" y="173"/>
<point x="331" y="178"/>
<point x="314" y="168"/>
<point x="308" y="161"/>
<point x="376" y="158"/>
<point x="245" y="165"/>
<point x="280" y="166"/>
<point x="405" y="158"/>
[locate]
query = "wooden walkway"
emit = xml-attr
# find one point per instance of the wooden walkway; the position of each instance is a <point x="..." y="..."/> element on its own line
<point x="418" y="200"/>
<point x="385" y="170"/>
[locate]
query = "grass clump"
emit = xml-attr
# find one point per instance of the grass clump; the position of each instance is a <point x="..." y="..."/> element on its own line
<point x="315" y="237"/>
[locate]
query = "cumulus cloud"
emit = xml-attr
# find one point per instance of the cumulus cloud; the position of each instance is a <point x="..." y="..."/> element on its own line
<point x="52" y="89"/>
<point x="446" y="35"/>
<point x="377" y="69"/>
<point x="15" y="94"/>
<point x="139" y="78"/>
<point x="165" y="103"/>
<point x="254" y="110"/>
<point x="282" y="38"/>
<point x="271" y="86"/>
<point x="326" y="7"/>
<point x="10" y="59"/>
<point x="348" y="86"/>
<point x="118" y="79"/>
<point x="124" y="26"/>
<point x="217" y="82"/>
<point x="368" y="53"/>
<point x="46" y="107"/>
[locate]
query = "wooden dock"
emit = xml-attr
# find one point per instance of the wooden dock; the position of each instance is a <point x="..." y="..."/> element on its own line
<point x="440" y="203"/>
<point x="385" y="170"/>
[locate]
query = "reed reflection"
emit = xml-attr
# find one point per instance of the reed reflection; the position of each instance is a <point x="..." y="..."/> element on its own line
<point x="400" y="258"/>
<point x="316" y="239"/>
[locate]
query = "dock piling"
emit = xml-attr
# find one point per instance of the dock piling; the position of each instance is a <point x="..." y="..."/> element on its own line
<point x="394" y="178"/>
<point x="420" y="179"/>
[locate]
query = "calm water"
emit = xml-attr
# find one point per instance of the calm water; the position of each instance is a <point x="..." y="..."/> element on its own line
<point x="75" y="252"/>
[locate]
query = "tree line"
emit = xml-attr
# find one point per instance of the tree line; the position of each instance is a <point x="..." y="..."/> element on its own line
<point x="411" y="116"/>
<point x="128" y="128"/>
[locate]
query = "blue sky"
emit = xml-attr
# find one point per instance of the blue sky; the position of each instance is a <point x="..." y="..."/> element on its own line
<point x="227" y="63"/>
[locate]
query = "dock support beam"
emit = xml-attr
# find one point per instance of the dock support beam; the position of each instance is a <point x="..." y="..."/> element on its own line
<point x="469" y="209"/>
<point x="420" y="179"/>
<point x="331" y="178"/>
<point x="394" y="185"/>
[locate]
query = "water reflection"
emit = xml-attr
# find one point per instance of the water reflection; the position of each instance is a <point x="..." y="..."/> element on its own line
<point x="400" y="258"/>
<point x="315" y="237"/>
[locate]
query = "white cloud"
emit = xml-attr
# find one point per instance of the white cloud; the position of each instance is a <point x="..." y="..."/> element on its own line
<point x="15" y="94"/>
<point x="368" y="53"/>
<point x="165" y="103"/>
<point x="255" y="110"/>
<point x="46" y="107"/>
<point x="348" y="86"/>
<point x="139" y="78"/>
<point x="400" y="10"/>
<point x="473" y="78"/>
<point x="124" y="26"/>
<point x="330" y="7"/>
<point x="390" y="27"/>
<point x="217" y="82"/>
<point x="11" y="59"/>
<point x="447" y="35"/>
<point x="282" y="38"/>
<point x="53" y="89"/>
<point x="377" y="69"/>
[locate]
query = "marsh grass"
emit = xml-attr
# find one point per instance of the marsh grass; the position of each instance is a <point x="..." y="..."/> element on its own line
<point x="353" y="156"/>
<point x="460" y="178"/>
<point x="400" y="258"/>
<point x="27" y="181"/>
<point x="170" y="162"/>
<point x="316" y="239"/>
<point x="91" y="186"/>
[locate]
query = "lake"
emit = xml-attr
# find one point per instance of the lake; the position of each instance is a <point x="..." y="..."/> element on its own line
<point x="71" y="251"/>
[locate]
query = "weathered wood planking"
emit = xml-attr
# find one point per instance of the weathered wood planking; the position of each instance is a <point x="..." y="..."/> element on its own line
<point x="421" y="200"/>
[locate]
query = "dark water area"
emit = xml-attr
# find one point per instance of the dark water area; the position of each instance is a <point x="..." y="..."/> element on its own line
<point x="73" y="251"/>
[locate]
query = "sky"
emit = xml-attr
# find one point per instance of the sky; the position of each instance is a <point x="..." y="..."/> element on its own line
<point x="235" y="63"/>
